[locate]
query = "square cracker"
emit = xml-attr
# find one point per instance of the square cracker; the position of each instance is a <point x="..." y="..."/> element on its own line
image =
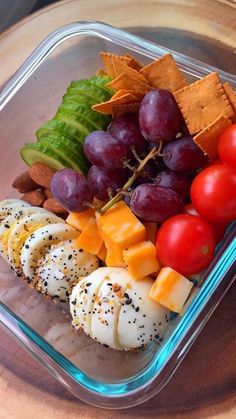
<point x="134" y="63"/>
<point x="127" y="82"/>
<point x="119" y="93"/>
<point x="202" y="102"/>
<point x="121" y="67"/>
<point x="107" y="60"/>
<point x="107" y="107"/>
<point x="232" y="98"/>
<point x="208" y="138"/>
<point x="164" y="74"/>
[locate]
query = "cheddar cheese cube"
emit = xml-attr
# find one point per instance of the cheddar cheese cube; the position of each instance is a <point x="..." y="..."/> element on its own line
<point x="120" y="228"/>
<point x="89" y="239"/>
<point x="171" y="289"/>
<point x="80" y="220"/>
<point x="113" y="260"/>
<point x="141" y="259"/>
<point x="102" y="253"/>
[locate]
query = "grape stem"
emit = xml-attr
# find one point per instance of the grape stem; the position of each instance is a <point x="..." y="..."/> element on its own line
<point x="155" y="151"/>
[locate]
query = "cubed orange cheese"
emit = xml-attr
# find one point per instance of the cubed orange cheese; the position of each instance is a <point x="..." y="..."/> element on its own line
<point x="113" y="260"/>
<point x="80" y="220"/>
<point x="89" y="239"/>
<point x="102" y="253"/>
<point x="171" y="289"/>
<point x="141" y="259"/>
<point x="151" y="231"/>
<point x="120" y="228"/>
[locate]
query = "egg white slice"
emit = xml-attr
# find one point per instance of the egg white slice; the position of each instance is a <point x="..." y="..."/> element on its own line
<point x="82" y="298"/>
<point x="39" y="242"/>
<point x="9" y="205"/>
<point x="61" y="267"/>
<point x="108" y="304"/>
<point x="9" y="222"/>
<point x="141" y="320"/>
<point x="21" y="230"/>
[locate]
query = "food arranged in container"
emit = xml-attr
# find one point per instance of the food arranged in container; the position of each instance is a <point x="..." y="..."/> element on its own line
<point x="128" y="195"/>
<point x="131" y="155"/>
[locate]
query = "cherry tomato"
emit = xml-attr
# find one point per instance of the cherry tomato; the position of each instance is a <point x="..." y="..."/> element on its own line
<point x="227" y="146"/>
<point x="213" y="193"/>
<point x="186" y="243"/>
<point x="219" y="228"/>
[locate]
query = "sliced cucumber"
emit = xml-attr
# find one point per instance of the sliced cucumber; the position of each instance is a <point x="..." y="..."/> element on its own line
<point x="56" y="124"/>
<point x="98" y="120"/>
<point x="57" y="132"/>
<point x="36" y="152"/>
<point x="71" y="153"/>
<point x="77" y="121"/>
<point x="60" y="140"/>
<point x="97" y="93"/>
<point x="82" y="99"/>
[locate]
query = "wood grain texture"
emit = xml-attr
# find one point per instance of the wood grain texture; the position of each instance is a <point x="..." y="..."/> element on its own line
<point x="205" y="384"/>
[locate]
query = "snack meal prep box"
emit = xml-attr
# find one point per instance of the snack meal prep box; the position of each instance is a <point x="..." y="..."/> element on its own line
<point x="95" y="374"/>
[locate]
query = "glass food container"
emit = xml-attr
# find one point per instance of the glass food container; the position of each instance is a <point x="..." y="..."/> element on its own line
<point x="95" y="374"/>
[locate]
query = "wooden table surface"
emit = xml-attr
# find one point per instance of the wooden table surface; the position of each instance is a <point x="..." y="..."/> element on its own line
<point x="205" y="384"/>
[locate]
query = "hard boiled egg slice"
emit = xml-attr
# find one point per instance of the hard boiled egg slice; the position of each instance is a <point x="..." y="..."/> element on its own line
<point x="9" y="222"/>
<point x="141" y="320"/>
<point x="39" y="242"/>
<point x="83" y="296"/>
<point x="21" y="230"/>
<point x="9" y="205"/>
<point x="61" y="266"/>
<point x="106" y="310"/>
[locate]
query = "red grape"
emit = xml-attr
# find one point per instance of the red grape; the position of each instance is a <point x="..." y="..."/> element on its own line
<point x="100" y="181"/>
<point x="179" y="182"/>
<point x="71" y="190"/>
<point x="154" y="203"/>
<point x="104" y="151"/>
<point x="183" y="155"/>
<point x="126" y="129"/>
<point x="159" y="116"/>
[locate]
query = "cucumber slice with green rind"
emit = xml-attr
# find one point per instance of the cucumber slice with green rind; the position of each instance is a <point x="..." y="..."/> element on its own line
<point x="55" y="135"/>
<point x="78" y="121"/>
<point x="96" y="93"/>
<point x="60" y="140"/>
<point x="61" y="126"/>
<point x="56" y="131"/>
<point x="68" y="151"/>
<point x="97" y="119"/>
<point x="102" y="83"/>
<point x="36" y="152"/>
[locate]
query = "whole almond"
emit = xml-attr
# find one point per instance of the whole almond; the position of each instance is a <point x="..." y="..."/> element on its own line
<point x="41" y="174"/>
<point x="35" y="198"/>
<point x="24" y="183"/>
<point x="48" y="193"/>
<point x="52" y="205"/>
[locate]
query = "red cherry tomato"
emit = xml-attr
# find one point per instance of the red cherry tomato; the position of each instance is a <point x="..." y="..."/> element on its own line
<point x="186" y="243"/>
<point x="227" y="146"/>
<point x="213" y="193"/>
<point x="219" y="228"/>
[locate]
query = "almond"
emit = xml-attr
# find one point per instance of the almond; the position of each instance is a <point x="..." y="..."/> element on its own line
<point x="24" y="183"/>
<point x="41" y="174"/>
<point x="35" y="198"/>
<point x="48" y="193"/>
<point x="52" y="205"/>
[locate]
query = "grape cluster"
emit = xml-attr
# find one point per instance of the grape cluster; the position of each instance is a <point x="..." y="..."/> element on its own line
<point x="162" y="188"/>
